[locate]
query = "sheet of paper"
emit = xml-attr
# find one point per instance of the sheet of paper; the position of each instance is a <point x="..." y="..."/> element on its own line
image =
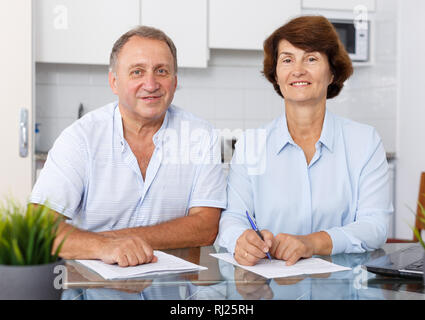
<point x="166" y="263"/>
<point x="278" y="268"/>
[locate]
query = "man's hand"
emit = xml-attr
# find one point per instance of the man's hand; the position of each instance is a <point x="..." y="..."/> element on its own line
<point x="291" y="248"/>
<point x="199" y="228"/>
<point x="126" y="251"/>
<point x="250" y="248"/>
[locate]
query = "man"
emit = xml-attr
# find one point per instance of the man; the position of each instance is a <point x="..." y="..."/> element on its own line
<point x="136" y="175"/>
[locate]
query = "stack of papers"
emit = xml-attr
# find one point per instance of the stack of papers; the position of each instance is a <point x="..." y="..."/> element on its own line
<point x="278" y="268"/>
<point x="166" y="263"/>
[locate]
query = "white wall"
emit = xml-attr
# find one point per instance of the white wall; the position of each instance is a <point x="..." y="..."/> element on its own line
<point x="60" y="89"/>
<point x="232" y="93"/>
<point x="410" y="112"/>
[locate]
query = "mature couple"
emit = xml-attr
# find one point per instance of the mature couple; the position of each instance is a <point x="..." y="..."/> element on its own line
<point x="323" y="188"/>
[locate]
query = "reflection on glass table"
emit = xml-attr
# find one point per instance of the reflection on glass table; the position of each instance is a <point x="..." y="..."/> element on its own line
<point x="224" y="281"/>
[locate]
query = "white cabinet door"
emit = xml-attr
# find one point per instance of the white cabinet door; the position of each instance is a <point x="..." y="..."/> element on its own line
<point x="81" y="31"/>
<point x="16" y="85"/>
<point x="349" y="5"/>
<point x="245" y="24"/>
<point x="185" y="22"/>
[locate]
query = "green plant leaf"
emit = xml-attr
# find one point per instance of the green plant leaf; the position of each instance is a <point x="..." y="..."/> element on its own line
<point x="17" y="252"/>
<point x="27" y="235"/>
<point x="30" y="248"/>
<point x="418" y="236"/>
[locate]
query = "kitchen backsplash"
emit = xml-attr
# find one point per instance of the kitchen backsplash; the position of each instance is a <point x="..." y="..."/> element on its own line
<point x="231" y="93"/>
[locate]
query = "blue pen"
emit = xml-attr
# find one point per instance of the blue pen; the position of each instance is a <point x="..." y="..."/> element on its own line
<point x="255" y="228"/>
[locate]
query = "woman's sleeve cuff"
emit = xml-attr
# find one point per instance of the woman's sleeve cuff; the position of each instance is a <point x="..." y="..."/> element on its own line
<point x="340" y="242"/>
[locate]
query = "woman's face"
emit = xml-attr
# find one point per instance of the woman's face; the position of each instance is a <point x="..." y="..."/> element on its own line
<point x="303" y="77"/>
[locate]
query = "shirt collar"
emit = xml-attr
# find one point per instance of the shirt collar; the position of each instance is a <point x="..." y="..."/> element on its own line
<point x="326" y="137"/>
<point x="328" y="131"/>
<point x="158" y="136"/>
<point x="283" y="136"/>
<point x="118" y="125"/>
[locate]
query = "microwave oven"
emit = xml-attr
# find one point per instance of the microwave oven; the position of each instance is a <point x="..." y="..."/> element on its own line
<point x="355" y="37"/>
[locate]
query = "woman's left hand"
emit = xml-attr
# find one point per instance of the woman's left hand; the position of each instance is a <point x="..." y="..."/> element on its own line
<point x="291" y="248"/>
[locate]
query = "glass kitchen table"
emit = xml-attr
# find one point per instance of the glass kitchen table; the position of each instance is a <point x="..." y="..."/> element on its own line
<point x="223" y="281"/>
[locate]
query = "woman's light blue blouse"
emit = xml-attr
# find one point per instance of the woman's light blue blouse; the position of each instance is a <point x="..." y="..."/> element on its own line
<point x="344" y="190"/>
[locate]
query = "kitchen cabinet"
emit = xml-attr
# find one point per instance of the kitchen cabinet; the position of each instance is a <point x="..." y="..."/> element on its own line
<point x="185" y="22"/>
<point x="16" y="91"/>
<point x="80" y="31"/>
<point x="349" y="5"/>
<point x="245" y="24"/>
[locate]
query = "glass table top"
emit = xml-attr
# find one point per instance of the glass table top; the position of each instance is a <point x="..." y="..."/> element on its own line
<point x="223" y="281"/>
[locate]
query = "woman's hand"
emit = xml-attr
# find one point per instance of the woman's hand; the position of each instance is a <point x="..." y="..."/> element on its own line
<point x="252" y="286"/>
<point x="291" y="248"/>
<point x="250" y="248"/>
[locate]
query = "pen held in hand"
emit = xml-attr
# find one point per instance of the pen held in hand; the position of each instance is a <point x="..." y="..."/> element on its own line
<point x="255" y="228"/>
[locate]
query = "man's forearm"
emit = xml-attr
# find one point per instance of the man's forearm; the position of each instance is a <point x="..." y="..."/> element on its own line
<point x="78" y="244"/>
<point x="188" y="231"/>
<point x="199" y="228"/>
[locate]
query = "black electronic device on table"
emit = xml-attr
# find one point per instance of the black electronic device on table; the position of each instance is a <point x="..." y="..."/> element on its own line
<point x="407" y="262"/>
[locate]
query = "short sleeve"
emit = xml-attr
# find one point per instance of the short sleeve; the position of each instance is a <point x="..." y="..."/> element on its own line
<point x="62" y="180"/>
<point x="209" y="187"/>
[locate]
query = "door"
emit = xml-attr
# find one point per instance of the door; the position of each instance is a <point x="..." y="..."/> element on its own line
<point x="16" y="87"/>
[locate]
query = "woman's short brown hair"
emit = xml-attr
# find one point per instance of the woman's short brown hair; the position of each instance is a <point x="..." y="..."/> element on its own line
<point x="310" y="33"/>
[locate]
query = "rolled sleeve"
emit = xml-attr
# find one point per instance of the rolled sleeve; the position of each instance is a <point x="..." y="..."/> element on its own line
<point x="341" y="242"/>
<point x="230" y="229"/>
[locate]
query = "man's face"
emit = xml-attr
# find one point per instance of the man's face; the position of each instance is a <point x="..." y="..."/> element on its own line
<point x="144" y="79"/>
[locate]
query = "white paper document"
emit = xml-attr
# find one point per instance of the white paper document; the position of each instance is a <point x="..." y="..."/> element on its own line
<point x="278" y="268"/>
<point x="166" y="263"/>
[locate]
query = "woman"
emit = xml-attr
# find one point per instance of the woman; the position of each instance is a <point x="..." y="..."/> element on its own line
<point x="320" y="184"/>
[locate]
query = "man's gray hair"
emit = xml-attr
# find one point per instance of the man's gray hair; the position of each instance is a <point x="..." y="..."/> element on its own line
<point x="142" y="32"/>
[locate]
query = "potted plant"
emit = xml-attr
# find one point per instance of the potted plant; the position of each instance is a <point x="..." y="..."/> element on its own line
<point x="27" y="264"/>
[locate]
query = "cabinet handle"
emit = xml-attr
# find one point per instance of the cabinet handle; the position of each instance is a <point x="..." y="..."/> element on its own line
<point x="23" y="133"/>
